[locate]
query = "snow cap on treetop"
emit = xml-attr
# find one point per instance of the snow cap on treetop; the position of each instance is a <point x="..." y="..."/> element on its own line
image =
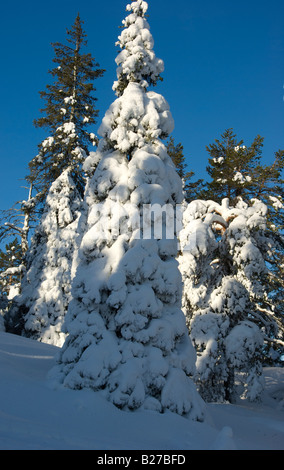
<point x="136" y="62"/>
<point x="139" y="7"/>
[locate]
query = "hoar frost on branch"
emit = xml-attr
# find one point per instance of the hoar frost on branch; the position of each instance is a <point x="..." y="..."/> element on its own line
<point x="127" y="335"/>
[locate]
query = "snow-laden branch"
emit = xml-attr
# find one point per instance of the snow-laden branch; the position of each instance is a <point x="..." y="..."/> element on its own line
<point x="12" y="271"/>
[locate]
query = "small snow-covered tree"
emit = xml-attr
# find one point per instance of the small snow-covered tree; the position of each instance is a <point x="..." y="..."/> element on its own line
<point x="224" y="272"/>
<point x="39" y="311"/>
<point x="18" y="222"/>
<point x="127" y="335"/>
<point x="136" y="61"/>
<point x="11" y="270"/>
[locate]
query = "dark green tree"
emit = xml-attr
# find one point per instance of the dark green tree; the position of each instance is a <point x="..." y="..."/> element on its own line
<point x="70" y="108"/>
<point x="237" y="171"/>
<point x="191" y="188"/>
<point x="232" y="167"/>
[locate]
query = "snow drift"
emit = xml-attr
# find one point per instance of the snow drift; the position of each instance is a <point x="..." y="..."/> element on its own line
<point x="35" y="417"/>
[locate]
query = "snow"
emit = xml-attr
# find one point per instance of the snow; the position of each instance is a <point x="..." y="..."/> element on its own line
<point x="125" y="315"/>
<point x="46" y="284"/>
<point x="217" y="296"/>
<point x="136" y="60"/>
<point x="136" y="117"/>
<point x="33" y="416"/>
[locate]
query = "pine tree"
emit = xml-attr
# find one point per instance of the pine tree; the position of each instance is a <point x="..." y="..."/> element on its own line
<point x="39" y="311"/>
<point x="69" y="111"/>
<point x="232" y="167"/>
<point x="127" y="335"/>
<point x="225" y="277"/>
<point x="192" y="189"/>
<point x="237" y="171"/>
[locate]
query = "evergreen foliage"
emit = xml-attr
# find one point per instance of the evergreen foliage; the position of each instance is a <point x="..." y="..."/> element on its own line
<point x="127" y="329"/>
<point x="233" y="168"/>
<point x="237" y="171"/>
<point x="39" y="311"/>
<point x="136" y="60"/>
<point x="225" y="277"/>
<point x="10" y="268"/>
<point x="68" y="113"/>
<point x="127" y="335"/>
<point x="56" y="176"/>
<point x="11" y="271"/>
<point x="18" y="221"/>
<point x="192" y="190"/>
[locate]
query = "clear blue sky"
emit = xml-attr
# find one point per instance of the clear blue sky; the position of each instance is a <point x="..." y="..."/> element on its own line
<point x="224" y="68"/>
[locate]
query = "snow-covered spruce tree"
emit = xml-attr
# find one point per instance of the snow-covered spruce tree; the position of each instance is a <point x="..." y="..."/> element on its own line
<point x="127" y="335"/>
<point x="224" y="273"/>
<point x="56" y="174"/>
<point x="68" y="113"/>
<point x="39" y="311"/>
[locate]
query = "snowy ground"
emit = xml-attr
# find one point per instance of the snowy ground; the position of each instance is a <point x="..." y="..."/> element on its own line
<point x="33" y="416"/>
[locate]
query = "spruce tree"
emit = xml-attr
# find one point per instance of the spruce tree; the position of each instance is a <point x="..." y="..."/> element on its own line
<point x="192" y="190"/>
<point x="127" y="335"/>
<point x="69" y="111"/>
<point x="225" y="277"/>
<point x="236" y="171"/>
<point x="39" y="311"/>
<point x="136" y="60"/>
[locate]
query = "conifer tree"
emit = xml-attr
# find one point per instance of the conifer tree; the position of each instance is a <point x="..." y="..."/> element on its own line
<point x="127" y="335"/>
<point x="69" y="111"/>
<point x="191" y="189"/>
<point x="237" y="171"/>
<point x="225" y="277"/>
<point x="231" y="166"/>
<point x="17" y="222"/>
<point x="39" y="311"/>
<point x="10" y="269"/>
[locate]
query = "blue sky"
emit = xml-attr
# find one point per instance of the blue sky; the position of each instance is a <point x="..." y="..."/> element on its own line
<point x="224" y="68"/>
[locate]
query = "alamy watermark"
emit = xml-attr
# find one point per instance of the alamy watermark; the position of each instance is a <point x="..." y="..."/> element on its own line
<point x="149" y="221"/>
